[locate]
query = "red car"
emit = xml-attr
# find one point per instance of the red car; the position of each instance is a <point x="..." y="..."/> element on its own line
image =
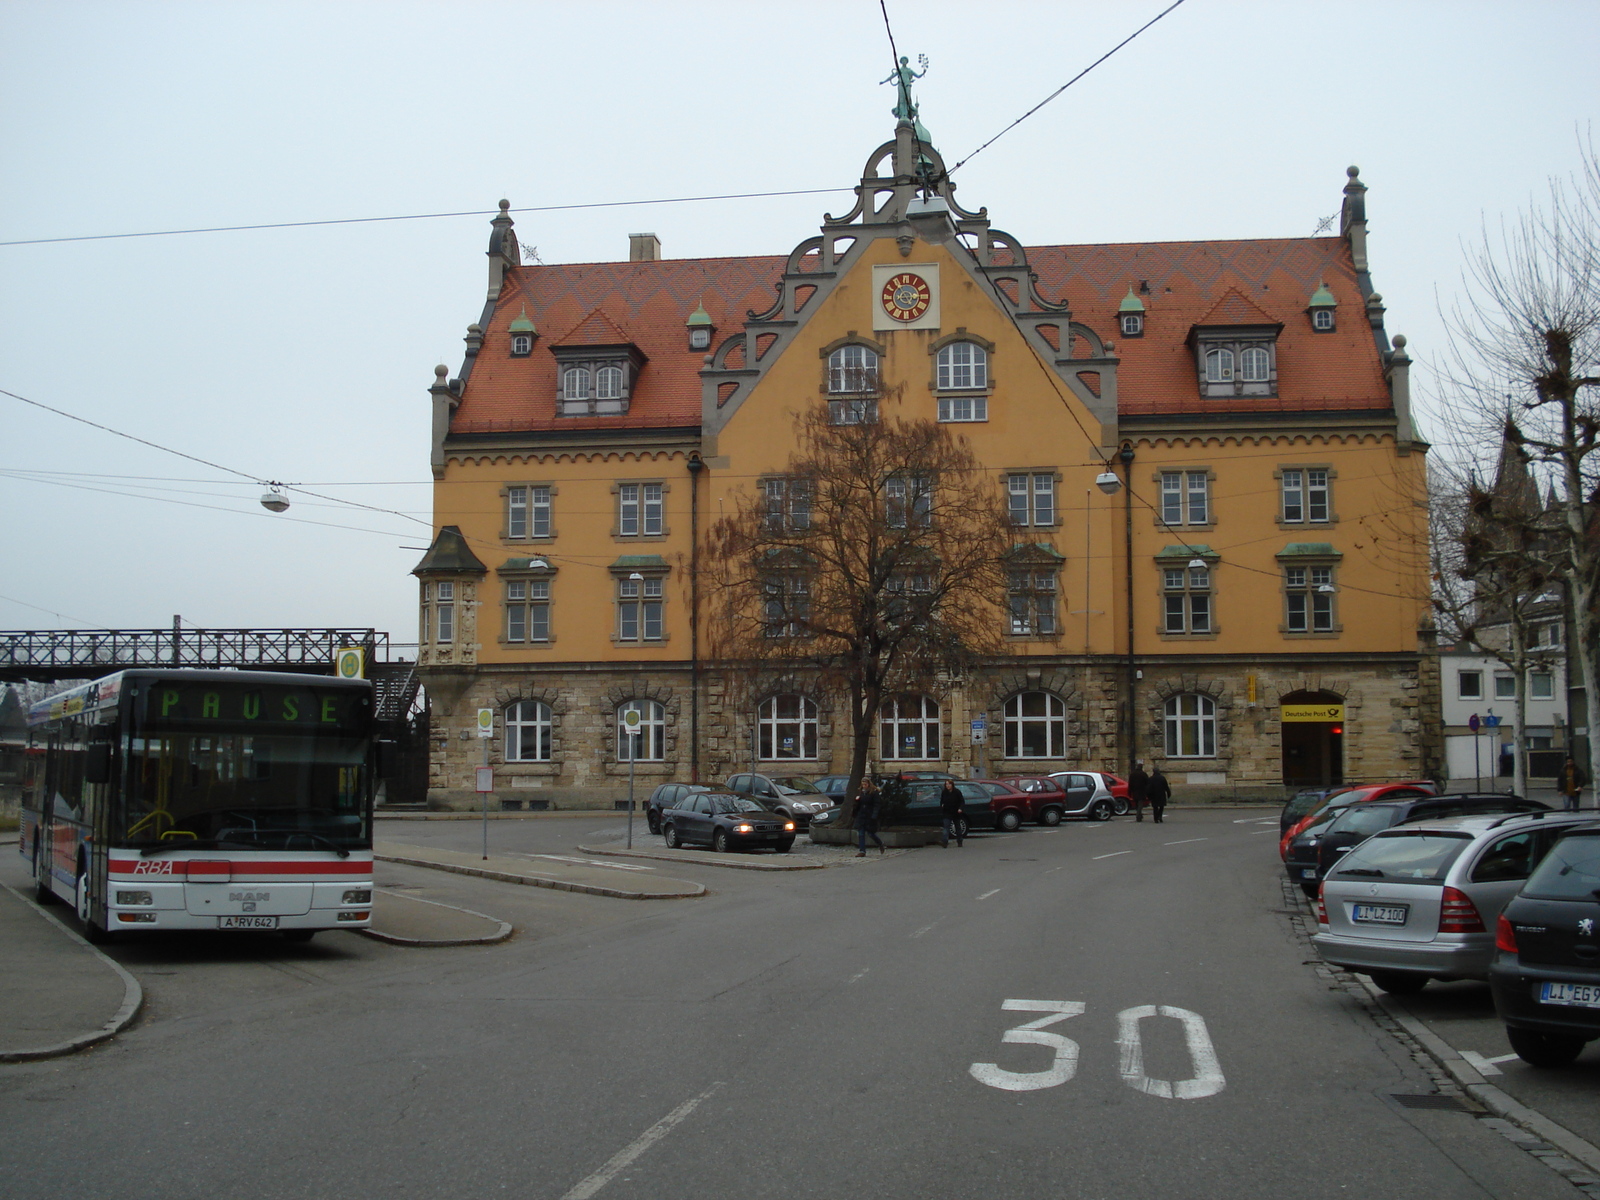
<point x="1359" y="794"/>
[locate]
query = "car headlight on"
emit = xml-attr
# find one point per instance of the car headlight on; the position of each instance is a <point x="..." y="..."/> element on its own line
<point x="357" y="896"/>
<point x="788" y="826"/>
<point x="742" y="829"/>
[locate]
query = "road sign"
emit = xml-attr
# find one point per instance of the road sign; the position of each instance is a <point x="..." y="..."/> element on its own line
<point x="1491" y="721"/>
<point x="486" y="722"/>
<point x="980" y="730"/>
<point x="1473" y="722"/>
<point x="631" y="719"/>
<point x="351" y="662"/>
<point x="485" y="779"/>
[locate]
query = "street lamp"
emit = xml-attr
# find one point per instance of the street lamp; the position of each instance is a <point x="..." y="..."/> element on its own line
<point x="1125" y="457"/>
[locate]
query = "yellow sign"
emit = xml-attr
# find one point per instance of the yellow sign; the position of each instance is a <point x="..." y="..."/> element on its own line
<point x="351" y="662"/>
<point x="1312" y="712"/>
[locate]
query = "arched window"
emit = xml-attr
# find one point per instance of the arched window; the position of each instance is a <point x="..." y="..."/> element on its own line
<point x="649" y="736"/>
<point x="1219" y="366"/>
<point x="1036" y="726"/>
<point x="852" y="369"/>
<point x="527" y="731"/>
<point x="1191" y="726"/>
<point x="963" y="365"/>
<point x="1254" y="365"/>
<point x="575" y="383"/>
<point x="608" y="383"/>
<point x="909" y="727"/>
<point x="788" y="726"/>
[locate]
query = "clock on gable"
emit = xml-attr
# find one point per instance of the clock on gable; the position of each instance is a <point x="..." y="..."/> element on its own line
<point x="907" y="296"/>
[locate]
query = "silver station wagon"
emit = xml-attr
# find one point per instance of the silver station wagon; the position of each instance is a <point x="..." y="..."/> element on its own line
<point x="1419" y="902"/>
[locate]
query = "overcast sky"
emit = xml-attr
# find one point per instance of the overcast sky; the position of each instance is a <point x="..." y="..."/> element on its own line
<point x="304" y="355"/>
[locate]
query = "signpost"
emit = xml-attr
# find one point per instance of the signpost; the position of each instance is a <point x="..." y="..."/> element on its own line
<point x="631" y="720"/>
<point x="485" y="772"/>
<point x="1492" y="724"/>
<point x="1477" y="770"/>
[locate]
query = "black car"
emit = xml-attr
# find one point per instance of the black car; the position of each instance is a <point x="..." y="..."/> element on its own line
<point x="1546" y="970"/>
<point x="1360" y="821"/>
<point x="1301" y="857"/>
<point x="916" y="802"/>
<point x="725" y="820"/>
<point x="664" y="797"/>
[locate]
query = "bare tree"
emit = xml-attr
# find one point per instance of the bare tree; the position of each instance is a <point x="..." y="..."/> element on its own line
<point x="1524" y="369"/>
<point x="873" y="563"/>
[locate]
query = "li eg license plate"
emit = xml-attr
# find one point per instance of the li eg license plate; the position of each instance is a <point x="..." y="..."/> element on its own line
<point x="1379" y="914"/>
<point x="1579" y="995"/>
<point x="247" y="922"/>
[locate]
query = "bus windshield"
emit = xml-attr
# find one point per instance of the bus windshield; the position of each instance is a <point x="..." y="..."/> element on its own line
<point x="257" y="791"/>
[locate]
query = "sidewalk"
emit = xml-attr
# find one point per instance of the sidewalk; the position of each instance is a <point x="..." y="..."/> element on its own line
<point x="548" y="872"/>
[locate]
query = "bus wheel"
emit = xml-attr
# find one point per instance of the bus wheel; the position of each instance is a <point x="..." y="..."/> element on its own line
<point x="298" y="935"/>
<point x="41" y="878"/>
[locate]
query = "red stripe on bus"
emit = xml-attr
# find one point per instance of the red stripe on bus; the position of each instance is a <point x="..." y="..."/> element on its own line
<point x="145" y="868"/>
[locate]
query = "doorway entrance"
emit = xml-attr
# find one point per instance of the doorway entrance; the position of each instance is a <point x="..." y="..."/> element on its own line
<point x="1313" y="739"/>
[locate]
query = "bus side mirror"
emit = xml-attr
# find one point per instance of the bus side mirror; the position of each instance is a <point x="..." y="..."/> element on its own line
<point x="97" y="767"/>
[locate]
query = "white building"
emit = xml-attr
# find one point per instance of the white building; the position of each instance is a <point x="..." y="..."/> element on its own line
<point x="1476" y="684"/>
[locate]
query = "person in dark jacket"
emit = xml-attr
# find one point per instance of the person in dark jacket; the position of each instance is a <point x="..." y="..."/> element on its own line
<point x="1159" y="792"/>
<point x="1572" y="782"/>
<point x="1138" y="789"/>
<point x="952" y="811"/>
<point x="869" y="802"/>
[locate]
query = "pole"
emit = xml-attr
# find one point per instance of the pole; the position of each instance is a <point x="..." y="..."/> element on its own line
<point x="696" y="465"/>
<point x="1125" y="455"/>
<point x="486" y="742"/>
<point x="1477" y="767"/>
<point x="633" y="757"/>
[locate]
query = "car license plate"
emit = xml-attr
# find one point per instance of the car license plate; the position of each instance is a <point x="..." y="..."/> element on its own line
<point x="1578" y="995"/>
<point x="1379" y="914"/>
<point x="247" y="922"/>
<point x="1308" y="872"/>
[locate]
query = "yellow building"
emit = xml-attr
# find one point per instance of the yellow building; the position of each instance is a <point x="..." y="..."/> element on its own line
<point x="1257" y="584"/>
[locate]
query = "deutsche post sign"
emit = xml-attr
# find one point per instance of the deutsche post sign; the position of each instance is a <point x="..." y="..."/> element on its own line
<point x="1312" y="712"/>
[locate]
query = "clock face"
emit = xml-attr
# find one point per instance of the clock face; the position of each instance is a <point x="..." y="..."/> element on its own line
<point x="906" y="296"/>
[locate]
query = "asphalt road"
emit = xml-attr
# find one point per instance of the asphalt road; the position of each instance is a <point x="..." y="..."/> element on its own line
<point x="820" y="1033"/>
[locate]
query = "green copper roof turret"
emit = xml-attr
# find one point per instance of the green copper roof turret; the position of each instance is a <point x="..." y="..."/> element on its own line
<point x="1131" y="303"/>
<point x="699" y="316"/>
<point x="1322" y="298"/>
<point x="522" y="324"/>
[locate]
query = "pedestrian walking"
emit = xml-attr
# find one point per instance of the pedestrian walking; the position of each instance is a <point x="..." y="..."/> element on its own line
<point x="953" y="814"/>
<point x="1160" y="791"/>
<point x="1138" y="789"/>
<point x="869" y="801"/>
<point x="1572" y="781"/>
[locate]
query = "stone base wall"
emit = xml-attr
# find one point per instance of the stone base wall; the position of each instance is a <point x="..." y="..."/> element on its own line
<point x="1384" y="726"/>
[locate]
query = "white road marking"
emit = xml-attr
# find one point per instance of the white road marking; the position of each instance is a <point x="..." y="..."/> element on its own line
<point x="855" y="977"/>
<point x="1255" y="820"/>
<point x="1207" y="1079"/>
<point x="585" y="862"/>
<point x="1185" y="841"/>
<point x="1032" y="1033"/>
<point x="1253" y="832"/>
<point x="1500" y="1058"/>
<point x="1113" y="854"/>
<point x="923" y="930"/>
<point x="638" y="1146"/>
<point x="986" y="895"/>
<point x="1484" y="1066"/>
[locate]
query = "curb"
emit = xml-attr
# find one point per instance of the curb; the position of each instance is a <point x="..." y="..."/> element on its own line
<point x="132" y="999"/>
<point x="708" y="860"/>
<point x="395" y="939"/>
<point x="497" y="815"/>
<point x="560" y="885"/>
<point x="1474" y="1084"/>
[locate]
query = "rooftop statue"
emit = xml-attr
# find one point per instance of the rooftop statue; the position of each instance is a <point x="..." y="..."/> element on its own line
<point x="905" y="108"/>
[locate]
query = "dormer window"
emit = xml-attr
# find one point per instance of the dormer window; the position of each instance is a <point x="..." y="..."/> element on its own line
<point x="1130" y="315"/>
<point x="598" y="365"/>
<point x="1219" y="366"/>
<point x="1132" y="324"/>
<point x="574" y="385"/>
<point x="1321" y="309"/>
<point x="1322" y="320"/>
<point x="608" y="383"/>
<point x="521" y="345"/>
<point x="700" y="328"/>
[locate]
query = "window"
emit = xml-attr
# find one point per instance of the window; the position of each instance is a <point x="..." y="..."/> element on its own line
<point x="962" y="365"/>
<point x="1191" y="722"/>
<point x="908" y="598"/>
<point x="1322" y="320"/>
<point x="444" y="612"/>
<point x="852" y="369"/>
<point x="963" y="408"/>
<point x="1505" y="686"/>
<point x="1031" y="499"/>
<point x="1036" y="726"/>
<point x="528" y="610"/>
<point x="608" y="383"/>
<point x="1132" y="324"/>
<point x="908" y="727"/>
<point x="786" y="605"/>
<point x="1255" y="365"/>
<point x="908" y="500"/>
<point x="1541" y="685"/>
<point x="1185" y="498"/>
<point x="639" y="610"/>
<point x="1219" y="366"/>
<point x="1305" y="495"/>
<point x="1032" y="598"/>
<point x="521" y="344"/>
<point x="853" y="412"/>
<point x="788" y="504"/>
<point x="787" y="727"/>
<point x="1469" y="685"/>
<point x="528" y="512"/>
<point x="1308" y="598"/>
<point x="647" y="742"/>
<point x="575" y="383"/>
<point x="639" y="509"/>
<point x="1186" y="599"/>
<point x="528" y="726"/>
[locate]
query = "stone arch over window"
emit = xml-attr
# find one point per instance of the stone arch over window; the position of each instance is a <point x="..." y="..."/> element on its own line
<point x="1055" y="684"/>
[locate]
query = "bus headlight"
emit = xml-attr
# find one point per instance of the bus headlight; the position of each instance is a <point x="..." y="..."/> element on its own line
<point x="134" y="898"/>
<point x="357" y="896"/>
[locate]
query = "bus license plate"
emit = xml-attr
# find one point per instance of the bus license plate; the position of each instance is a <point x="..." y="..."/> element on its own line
<point x="1578" y="995"/>
<point x="1379" y="914"/>
<point x="247" y="922"/>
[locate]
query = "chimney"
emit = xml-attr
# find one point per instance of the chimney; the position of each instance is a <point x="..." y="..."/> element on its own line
<point x="643" y="247"/>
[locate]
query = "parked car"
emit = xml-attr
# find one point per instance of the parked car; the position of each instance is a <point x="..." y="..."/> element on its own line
<point x="832" y="786"/>
<point x="1546" y="973"/>
<point x="1360" y="821"/>
<point x="725" y="820"/>
<point x="665" y="796"/>
<point x="1121" y="804"/>
<point x="983" y="805"/>
<point x="1419" y="901"/>
<point x="1064" y="794"/>
<point x="1301" y="805"/>
<point x="787" y="795"/>
<point x="1343" y="798"/>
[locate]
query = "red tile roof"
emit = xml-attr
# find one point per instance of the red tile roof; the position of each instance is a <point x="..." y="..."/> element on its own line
<point x="1268" y="281"/>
